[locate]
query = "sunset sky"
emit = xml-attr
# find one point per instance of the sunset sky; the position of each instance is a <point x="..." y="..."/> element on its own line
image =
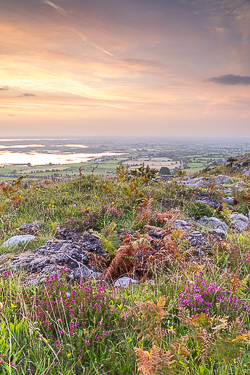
<point x="125" y="67"/>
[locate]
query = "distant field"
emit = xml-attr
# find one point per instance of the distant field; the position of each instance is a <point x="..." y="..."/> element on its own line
<point x="153" y="163"/>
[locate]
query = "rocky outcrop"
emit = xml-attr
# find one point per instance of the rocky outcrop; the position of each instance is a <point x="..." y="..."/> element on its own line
<point x="70" y="253"/>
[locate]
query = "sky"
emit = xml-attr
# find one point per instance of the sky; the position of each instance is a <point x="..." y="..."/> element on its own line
<point x="125" y="67"/>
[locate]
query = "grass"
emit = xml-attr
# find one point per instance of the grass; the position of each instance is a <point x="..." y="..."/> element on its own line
<point x="193" y="320"/>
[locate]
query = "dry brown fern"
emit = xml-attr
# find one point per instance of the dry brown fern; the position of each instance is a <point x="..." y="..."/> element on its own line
<point x="149" y="316"/>
<point x="153" y="362"/>
<point x="150" y="215"/>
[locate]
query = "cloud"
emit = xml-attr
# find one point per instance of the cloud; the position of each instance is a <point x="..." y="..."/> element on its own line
<point x="5" y="88"/>
<point x="56" y="7"/>
<point x="27" y="94"/>
<point x="86" y="40"/>
<point x="230" y="79"/>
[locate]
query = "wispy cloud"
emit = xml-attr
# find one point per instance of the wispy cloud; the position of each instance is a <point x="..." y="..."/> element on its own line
<point x="4" y="88"/>
<point x="230" y="79"/>
<point x="86" y="40"/>
<point x="27" y="95"/>
<point x="56" y="7"/>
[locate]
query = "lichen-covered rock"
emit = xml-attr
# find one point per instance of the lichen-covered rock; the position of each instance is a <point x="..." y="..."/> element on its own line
<point x="213" y="222"/>
<point x="239" y="222"/>
<point x="31" y="228"/>
<point x="70" y="254"/>
<point x="223" y="179"/>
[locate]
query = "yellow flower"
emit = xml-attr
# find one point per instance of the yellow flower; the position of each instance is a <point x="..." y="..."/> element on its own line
<point x="214" y="210"/>
<point x="20" y="196"/>
<point x="113" y="202"/>
<point x="53" y="206"/>
<point x="87" y="208"/>
<point x="95" y="196"/>
<point x="49" y="205"/>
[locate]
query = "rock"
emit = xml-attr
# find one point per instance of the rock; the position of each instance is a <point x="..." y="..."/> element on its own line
<point x="228" y="164"/>
<point x="125" y="282"/>
<point x="31" y="228"/>
<point x="213" y="222"/>
<point x="246" y="172"/>
<point x="220" y="232"/>
<point x="70" y="254"/>
<point x="228" y="200"/>
<point x="15" y="240"/>
<point x="182" y="224"/>
<point x="210" y="202"/>
<point x="223" y="179"/>
<point x="201" y="240"/>
<point x="196" y="182"/>
<point x="239" y="222"/>
<point x="243" y="163"/>
<point x="235" y="167"/>
<point x="228" y="191"/>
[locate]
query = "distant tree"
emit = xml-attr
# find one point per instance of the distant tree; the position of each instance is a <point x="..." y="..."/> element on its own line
<point x="164" y="171"/>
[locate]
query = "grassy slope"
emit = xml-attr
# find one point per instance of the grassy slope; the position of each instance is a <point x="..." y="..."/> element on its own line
<point x="40" y="334"/>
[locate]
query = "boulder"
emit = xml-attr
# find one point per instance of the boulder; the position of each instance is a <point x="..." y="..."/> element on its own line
<point x="239" y="222"/>
<point x="15" y="240"/>
<point x="213" y="222"/>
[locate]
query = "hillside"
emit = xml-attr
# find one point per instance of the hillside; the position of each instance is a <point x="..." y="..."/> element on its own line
<point x="127" y="275"/>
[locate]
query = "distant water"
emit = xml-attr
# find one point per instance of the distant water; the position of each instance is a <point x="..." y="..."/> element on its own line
<point x="30" y="154"/>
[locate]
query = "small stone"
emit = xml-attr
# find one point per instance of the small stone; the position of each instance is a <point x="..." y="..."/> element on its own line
<point x="125" y="282"/>
<point x="15" y="240"/>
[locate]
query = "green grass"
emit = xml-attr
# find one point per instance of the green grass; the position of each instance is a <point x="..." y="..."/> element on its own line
<point x="95" y="328"/>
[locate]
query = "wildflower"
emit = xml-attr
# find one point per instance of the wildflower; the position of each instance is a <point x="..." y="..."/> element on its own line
<point x="95" y="196"/>
<point x="49" y="204"/>
<point x="74" y="205"/>
<point x="214" y="210"/>
<point x="87" y="208"/>
<point x="113" y="202"/>
<point x="67" y="295"/>
<point x="53" y="206"/>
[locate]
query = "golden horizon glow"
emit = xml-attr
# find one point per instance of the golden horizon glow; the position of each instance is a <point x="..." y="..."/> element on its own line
<point x="165" y="66"/>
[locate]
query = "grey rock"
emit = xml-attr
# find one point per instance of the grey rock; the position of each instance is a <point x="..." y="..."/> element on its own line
<point x="228" y="164"/>
<point x="210" y="202"/>
<point x="239" y="222"/>
<point x="235" y="167"/>
<point x="196" y="182"/>
<point x="31" y="228"/>
<point x="246" y="172"/>
<point x="182" y="224"/>
<point x="15" y="240"/>
<point x="228" y="200"/>
<point x="56" y="254"/>
<point x="151" y="282"/>
<point x="244" y="163"/>
<point x="223" y="179"/>
<point x="220" y="232"/>
<point x="213" y="222"/>
<point x="125" y="282"/>
<point x="228" y="191"/>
